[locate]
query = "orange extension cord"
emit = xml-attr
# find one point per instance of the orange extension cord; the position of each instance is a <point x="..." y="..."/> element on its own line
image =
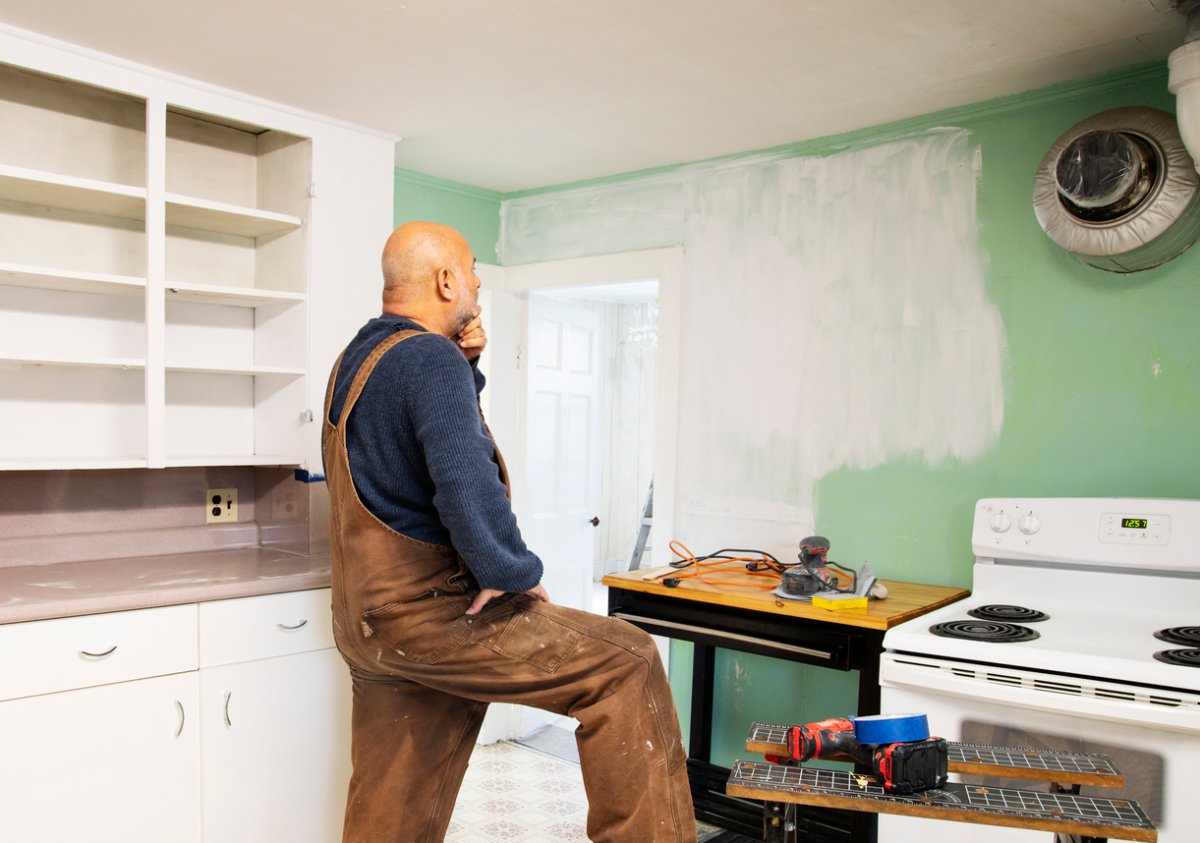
<point x="764" y="566"/>
<point x="686" y="557"/>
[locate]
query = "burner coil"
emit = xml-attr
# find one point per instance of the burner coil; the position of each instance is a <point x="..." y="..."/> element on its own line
<point x="991" y="631"/>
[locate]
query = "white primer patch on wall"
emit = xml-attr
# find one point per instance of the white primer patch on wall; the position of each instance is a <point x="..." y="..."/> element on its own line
<point x="835" y="315"/>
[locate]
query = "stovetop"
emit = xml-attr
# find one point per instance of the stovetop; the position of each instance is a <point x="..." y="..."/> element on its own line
<point x="1077" y="595"/>
<point x="1106" y="630"/>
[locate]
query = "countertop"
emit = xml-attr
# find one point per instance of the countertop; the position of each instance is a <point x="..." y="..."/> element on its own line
<point x="66" y="589"/>
<point x="905" y="600"/>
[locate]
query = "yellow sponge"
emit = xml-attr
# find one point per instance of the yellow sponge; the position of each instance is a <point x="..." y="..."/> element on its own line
<point x="838" y="602"/>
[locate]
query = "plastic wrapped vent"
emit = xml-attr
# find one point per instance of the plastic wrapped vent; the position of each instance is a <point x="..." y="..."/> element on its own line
<point x="1105" y="175"/>
<point x="1119" y="190"/>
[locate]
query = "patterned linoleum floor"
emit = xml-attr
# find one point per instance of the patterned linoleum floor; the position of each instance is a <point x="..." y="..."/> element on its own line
<point x="513" y="794"/>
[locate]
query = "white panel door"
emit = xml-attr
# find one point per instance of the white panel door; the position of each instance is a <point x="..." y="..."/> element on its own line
<point x="275" y="743"/>
<point x="562" y="448"/>
<point x="112" y="764"/>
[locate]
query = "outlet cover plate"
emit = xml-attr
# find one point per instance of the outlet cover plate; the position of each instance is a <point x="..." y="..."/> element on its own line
<point x="221" y="506"/>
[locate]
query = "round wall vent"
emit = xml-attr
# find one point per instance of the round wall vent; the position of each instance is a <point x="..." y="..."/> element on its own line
<point x="1120" y="190"/>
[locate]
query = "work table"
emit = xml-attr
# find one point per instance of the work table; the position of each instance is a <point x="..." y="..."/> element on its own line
<point x="905" y="600"/>
<point x="68" y="589"/>
<point x="754" y="620"/>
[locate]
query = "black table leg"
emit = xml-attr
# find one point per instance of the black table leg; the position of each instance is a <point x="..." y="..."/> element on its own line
<point x="700" y="737"/>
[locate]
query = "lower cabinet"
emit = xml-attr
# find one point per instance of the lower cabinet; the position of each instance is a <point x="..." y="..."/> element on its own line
<point x="112" y="764"/>
<point x="268" y="775"/>
<point x="252" y="746"/>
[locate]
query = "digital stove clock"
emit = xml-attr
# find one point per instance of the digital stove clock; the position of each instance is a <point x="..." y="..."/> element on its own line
<point x="1148" y="529"/>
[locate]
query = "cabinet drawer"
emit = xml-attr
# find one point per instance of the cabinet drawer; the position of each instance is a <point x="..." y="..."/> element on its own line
<point x="41" y="657"/>
<point x="248" y="628"/>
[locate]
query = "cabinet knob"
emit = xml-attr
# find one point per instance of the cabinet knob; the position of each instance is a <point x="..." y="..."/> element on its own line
<point x="595" y="522"/>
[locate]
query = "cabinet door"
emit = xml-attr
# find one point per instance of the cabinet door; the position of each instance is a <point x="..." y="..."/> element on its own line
<point x="275" y="749"/>
<point x="113" y="764"/>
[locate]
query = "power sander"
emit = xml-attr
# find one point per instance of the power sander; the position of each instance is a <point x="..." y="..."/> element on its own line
<point x="904" y="766"/>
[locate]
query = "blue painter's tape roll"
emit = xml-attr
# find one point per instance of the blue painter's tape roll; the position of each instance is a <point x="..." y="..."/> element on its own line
<point x="890" y="728"/>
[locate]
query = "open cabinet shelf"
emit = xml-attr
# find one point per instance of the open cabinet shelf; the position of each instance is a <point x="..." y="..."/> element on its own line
<point x="229" y="296"/>
<point x="154" y="277"/>
<point x="74" y="362"/>
<point x="69" y="281"/>
<point x="222" y="218"/>
<point x="53" y="190"/>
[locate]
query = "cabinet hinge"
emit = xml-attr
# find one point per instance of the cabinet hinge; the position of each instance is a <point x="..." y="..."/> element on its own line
<point x="312" y="190"/>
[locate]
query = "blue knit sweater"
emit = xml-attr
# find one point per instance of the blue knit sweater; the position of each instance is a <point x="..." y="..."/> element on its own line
<point x="421" y="459"/>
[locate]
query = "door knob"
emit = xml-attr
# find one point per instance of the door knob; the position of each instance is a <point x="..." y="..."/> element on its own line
<point x="595" y="521"/>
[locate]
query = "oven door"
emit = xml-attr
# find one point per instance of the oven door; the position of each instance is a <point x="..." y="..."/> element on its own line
<point x="1151" y="743"/>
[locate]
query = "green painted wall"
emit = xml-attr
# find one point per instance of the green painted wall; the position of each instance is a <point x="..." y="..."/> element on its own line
<point x="1103" y="380"/>
<point x="1102" y="398"/>
<point x="473" y="211"/>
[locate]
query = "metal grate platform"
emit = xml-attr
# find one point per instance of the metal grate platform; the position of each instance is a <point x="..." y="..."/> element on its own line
<point x="1056" y="812"/>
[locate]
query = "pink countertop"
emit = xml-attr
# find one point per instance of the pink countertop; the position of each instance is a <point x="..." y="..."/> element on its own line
<point x="65" y="589"/>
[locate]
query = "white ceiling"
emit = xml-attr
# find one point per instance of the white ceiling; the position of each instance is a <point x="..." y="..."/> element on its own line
<point x="517" y="94"/>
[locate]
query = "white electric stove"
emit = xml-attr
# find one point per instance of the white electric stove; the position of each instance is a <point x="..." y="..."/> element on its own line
<point x="1082" y="634"/>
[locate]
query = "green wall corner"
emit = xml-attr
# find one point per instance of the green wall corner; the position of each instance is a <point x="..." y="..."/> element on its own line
<point x="472" y="210"/>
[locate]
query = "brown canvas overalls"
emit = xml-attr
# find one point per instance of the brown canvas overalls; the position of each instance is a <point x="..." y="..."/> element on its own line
<point x="424" y="672"/>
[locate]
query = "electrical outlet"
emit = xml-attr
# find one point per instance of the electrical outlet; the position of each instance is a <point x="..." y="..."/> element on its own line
<point x="221" y="506"/>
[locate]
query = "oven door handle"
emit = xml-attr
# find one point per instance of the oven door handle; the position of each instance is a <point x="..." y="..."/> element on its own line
<point x="732" y="637"/>
<point x="1068" y="695"/>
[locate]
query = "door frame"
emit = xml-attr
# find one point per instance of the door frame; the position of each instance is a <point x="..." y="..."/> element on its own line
<point x="508" y="333"/>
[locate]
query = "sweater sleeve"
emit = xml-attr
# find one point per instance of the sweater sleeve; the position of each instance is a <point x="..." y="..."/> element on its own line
<point x="469" y="496"/>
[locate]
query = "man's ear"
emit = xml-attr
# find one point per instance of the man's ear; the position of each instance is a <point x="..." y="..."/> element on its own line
<point x="445" y="284"/>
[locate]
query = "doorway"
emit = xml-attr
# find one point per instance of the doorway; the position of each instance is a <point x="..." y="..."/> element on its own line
<point x="617" y="324"/>
<point x="633" y="300"/>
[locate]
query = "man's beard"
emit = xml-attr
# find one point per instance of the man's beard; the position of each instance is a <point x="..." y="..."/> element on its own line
<point x="463" y="320"/>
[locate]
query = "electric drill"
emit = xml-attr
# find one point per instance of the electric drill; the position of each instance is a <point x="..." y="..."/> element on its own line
<point x="904" y="767"/>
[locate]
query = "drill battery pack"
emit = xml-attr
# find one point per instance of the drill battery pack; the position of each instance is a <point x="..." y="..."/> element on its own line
<point x="912" y="766"/>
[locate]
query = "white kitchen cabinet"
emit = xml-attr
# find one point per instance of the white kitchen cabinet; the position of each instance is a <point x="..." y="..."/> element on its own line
<point x="275" y="744"/>
<point x="112" y="764"/>
<point x="160" y="244"/>
<point x="222" y="721"/>
<point x="275" y="711"/>
<point x="153" y="279"/>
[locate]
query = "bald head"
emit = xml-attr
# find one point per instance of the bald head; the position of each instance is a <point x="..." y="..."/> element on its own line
<point x="429" y="276"/>
<point x="418" y="249"/>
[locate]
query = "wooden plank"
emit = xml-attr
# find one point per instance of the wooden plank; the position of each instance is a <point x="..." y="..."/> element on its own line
<point x="1062" y="813"/>
<point x="1010" y="762"/>
<point x="904" y="600"/>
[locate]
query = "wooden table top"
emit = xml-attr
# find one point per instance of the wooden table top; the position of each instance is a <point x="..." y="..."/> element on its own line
<point x="905" y="600"/>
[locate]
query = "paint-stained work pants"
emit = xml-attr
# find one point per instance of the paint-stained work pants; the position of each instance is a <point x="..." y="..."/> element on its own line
<point x="424" y="672"/>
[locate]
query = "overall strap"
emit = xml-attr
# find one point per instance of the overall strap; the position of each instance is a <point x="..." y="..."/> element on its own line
<point x="364" y="372"/>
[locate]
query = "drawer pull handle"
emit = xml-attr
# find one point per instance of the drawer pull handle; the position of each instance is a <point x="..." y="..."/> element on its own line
<point x="107" y="652"/>
<point x="182" y="717"/>
<point x="228" y="694"/>
<point x="297" y="626"/>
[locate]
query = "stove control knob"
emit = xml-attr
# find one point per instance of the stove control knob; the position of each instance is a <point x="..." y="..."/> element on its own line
<point x="1000" y="523"/>
<point x="1029" y="524"/>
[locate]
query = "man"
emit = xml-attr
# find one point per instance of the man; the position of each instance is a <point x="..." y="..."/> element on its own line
<point x="438" y="606"/>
